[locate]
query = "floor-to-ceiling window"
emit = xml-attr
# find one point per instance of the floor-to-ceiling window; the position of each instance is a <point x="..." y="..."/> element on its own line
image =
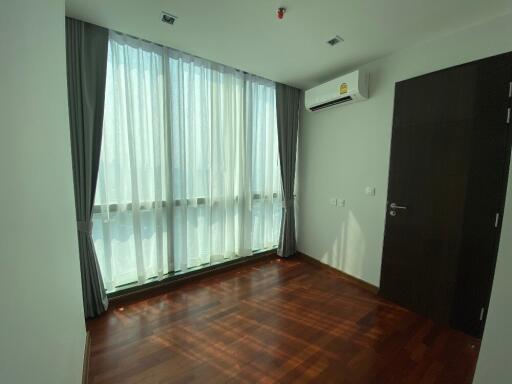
<point x="189" y="171"/>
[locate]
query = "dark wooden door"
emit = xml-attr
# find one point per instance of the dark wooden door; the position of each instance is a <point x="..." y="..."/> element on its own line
<point x="448" y="171"/>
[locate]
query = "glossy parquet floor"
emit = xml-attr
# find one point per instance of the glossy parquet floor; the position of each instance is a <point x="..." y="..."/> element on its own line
<point x="274" y="321"/>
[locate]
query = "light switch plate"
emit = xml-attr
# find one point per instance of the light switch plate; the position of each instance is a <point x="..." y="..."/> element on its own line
<point x="333" y="201"/>
<point x="340" y="202"/>
<point x="370" y="191"/>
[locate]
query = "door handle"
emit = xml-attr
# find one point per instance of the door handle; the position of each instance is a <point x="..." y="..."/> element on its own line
<point x="394" y="206"/>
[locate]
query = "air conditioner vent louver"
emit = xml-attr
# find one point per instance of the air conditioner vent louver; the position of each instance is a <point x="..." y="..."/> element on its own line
<point x="342" y="90"/>
<point x="331" y="103"/>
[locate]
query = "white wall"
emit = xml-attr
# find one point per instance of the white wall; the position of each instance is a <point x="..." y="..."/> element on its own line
<point x="345" y="149"/>
<point x="42" y="332"/>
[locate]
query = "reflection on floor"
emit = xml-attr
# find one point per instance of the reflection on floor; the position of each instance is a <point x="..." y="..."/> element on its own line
<point x="274" y="321"/>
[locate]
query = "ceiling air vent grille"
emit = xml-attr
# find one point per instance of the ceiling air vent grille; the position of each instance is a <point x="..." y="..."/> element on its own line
<point x="335" y="40"/>
<point x="168" y="18"/>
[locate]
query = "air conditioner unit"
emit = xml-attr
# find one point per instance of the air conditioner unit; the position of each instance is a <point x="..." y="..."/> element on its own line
<point x="342" y="90"/>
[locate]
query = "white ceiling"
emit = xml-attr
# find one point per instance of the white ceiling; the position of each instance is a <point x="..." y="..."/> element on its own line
<point x="247" y="35"/>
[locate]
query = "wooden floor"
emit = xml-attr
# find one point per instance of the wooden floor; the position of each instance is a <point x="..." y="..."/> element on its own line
<point x="276" y="321"/>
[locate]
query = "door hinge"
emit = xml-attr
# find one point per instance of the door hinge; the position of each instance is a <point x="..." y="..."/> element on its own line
<point x="497" y="220"/>
<point x="482" y="311"/>
<point x="508" y="115"/>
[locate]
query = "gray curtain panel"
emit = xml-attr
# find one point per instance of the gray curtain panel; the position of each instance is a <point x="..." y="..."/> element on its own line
<point x="288" y="104"/>
<point x="86" y="54"/>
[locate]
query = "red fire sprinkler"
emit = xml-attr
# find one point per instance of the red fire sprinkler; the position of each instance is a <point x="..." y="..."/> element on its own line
<point x="280" y="13"/>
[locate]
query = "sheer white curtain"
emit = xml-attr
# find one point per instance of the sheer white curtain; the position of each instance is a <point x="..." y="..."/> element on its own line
<point x="129" y="227"/>
<point x="265" y="174"/>
<point x="189" y="172"/>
